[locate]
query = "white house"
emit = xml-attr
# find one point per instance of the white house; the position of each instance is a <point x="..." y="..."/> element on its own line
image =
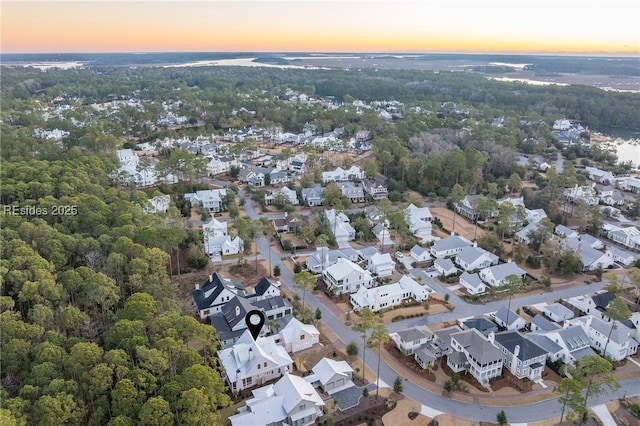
<point x="573" y="341"/>
<point x="496" y="275"/>
<point x="342" y="175"/>
<point x="620" y="337"/>
<point x="621" y="256"/>
<point x="599" y="176"/>
<point x="382" y="234"/>
<point x="628" y="237"/>
<point x="410" y="339"/>
<point x="472" y="350"/>
<point x="296" y="336"/>
<point x="420" y="254"/>
<point x="449" y="246"/>
<point x="340" y="226"/>
<point x="388" y="296"/>
<point x="313" y="196"/>
<point x="212" y="295"/>
<point x="287" y="195"/>
<point x="291" y="400"/>
<point x="210" y="199"/>
<point x="223" y="245"/>
<point x="251" y="363"/>
<point x="522" y="356"/>
<point x="344" y="276"/>
<point x="591" y="258"/>
<point x="471" y="258"/>
<point x="508" y="319"/>
<point x="557" y="312"/>
<point x="419" y="221"/>
<point x="157" y="204"/>
<point x="381" y="265"/>
<point x="445" y="267"/>
<point x="331" y="376"/>
<point x="472" y="283"/>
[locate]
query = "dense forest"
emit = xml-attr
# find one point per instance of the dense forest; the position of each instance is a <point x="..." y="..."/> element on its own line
<point x="91" y="331"/>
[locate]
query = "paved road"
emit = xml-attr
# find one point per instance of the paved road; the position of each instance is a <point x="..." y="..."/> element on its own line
<point x="524" y="413"/>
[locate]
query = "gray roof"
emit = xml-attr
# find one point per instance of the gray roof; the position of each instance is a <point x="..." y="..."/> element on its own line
<point x="477" y="346"/>
<point x="445" y="264"/>
<point x="444" y="336"/>
<point x="417" y="250"/>
<point x="472" y="279"/>
<point x="504" y="312"/>
<point x="414" y="333"/>
<point x="545" y="343"/>
<point x="574" y="337"/>
<point x="469" y="254"/>
<point x="425" y="355"/>
<point x="450" y="243"/>
<point x="502" y="271"/>
<point x="581" y="353"/>
<point x="483" y="325"/>
<point x="544" y="324"/>
<point x="528" y="349"/>
<point x="559" y="310"/>
<point x="620" y="252"/>
<point x="457" y="357"/>
<point x="369" y="251"/>
<point x="620" y="333"/>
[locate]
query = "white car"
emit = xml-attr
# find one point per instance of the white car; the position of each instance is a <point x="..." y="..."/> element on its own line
<point x="399" y="255"/>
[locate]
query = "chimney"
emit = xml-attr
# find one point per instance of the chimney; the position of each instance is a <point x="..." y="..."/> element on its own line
<point x="514" y="360"/>
<point x="453" y="234"/>
<point x="197" y="285"/>
<point x="588" y="322"/>
<point x="237" y="311"/>
<point x="492" y="337"/>
<point x="475" y="244"/>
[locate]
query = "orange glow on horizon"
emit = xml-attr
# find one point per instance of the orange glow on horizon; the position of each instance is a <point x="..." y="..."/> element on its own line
<point x="320" y="26"/>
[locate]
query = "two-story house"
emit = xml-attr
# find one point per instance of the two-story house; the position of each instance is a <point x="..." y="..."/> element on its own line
<point x="313" y="195"/>
<point x="472" y="351"/>
<point x="471" y="258"/>
<point x="449" y="246"/>
<point x="212" y="295"/>
<point x="419" y="221"/>
<point x="409" y="340"/>
<point x="523" y="357"/>
<point x="496" y="276"/>
<point x="344" y="276"/>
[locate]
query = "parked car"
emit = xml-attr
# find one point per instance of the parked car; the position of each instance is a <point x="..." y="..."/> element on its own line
<point x="399" y="255"/>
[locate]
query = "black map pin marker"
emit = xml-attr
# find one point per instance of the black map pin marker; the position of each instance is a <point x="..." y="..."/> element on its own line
<point x="255" y="321"/>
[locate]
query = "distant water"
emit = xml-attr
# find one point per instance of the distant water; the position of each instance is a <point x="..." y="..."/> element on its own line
<point x="627" y="150"/>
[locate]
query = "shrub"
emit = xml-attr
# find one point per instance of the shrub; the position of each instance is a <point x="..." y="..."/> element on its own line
<point x="352" y="349"/>
<point x="276" y="270"/>
<point x="365" y="392"/>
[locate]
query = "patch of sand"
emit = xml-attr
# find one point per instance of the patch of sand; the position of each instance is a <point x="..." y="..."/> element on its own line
<point x="399" y="416"/>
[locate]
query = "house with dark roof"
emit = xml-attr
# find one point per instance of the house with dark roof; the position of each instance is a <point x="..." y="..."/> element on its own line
<point x="540" y="323"/>
<point x="481" y="324"/>
<point x="214" y="294"/>
<point x="523" y="357"/>
<point x="266" y="289"/>
<point x="483" y="359"/>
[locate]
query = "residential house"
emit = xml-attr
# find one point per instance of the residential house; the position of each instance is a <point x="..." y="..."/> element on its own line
<point x="508" y="319"/>
<point x="266" y="289"/>
<point x="475" y="353"/>
<point x="441" y="342"/>
<point x="419" y="221"/>
<point x="557" y="312"/>
<point x="284" y="194"/>
<point x="331" y="376"/>
<point x="324" y="257"/>
<point x="600" y="176"/>
<point x="553" y="350"/>
<point x="449" y="246"/>
<point x="472" y="283"/>
<point x="535" y="216"/>
<point x="212" y="295"/>
<point x="481" y="324"/>
<point x="615" y="336"/>
<point x="496" y="276"/>
<point x="523" y="235"/>
<point x="522" y="356"/>
<point x="230" y="323"/>
<point x="630" y="184"/>
<point x="222" y="245"/>
<point x="346" y="277"/>
<point x="540" y="323"/>
<point x="468" y="207"/>
<point x="620" y="256"/>
<point x="210" y="199"/>
<point x="424" y="357"/>
<point x="591" y="258"/>
<point x="296" y="336"/>
<point x="573" y="341"/>
<point x="566" y="232"/>
<point x="291" y="400"/>
<point x="628" y="237"/>
<point x="445" y="267"/>
<point x="351" y="191"/>
<point x="582" y="193"/>
<point x="313" y="196"/>
<point x="376" y="188"/>
<point x="157" y="204"/>
<point x="471" y="258"/>
<point x="410" y="339"/>
<point x="388" y="296"/>
<point x="250" y="362"/>
<point x="419" y="254"/>
<point x="220" y="165"/>
<point x="382" y="234"/>
<point x="381" y="265"/>
<point x="341" y="175"/>
<point x="341" y="227"/>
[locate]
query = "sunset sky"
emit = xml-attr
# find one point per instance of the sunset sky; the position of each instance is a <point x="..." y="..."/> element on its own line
<point x="519" y="26"/>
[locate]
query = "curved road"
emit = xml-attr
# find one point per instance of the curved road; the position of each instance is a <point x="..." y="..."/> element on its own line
<point x="522" y="413"/>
